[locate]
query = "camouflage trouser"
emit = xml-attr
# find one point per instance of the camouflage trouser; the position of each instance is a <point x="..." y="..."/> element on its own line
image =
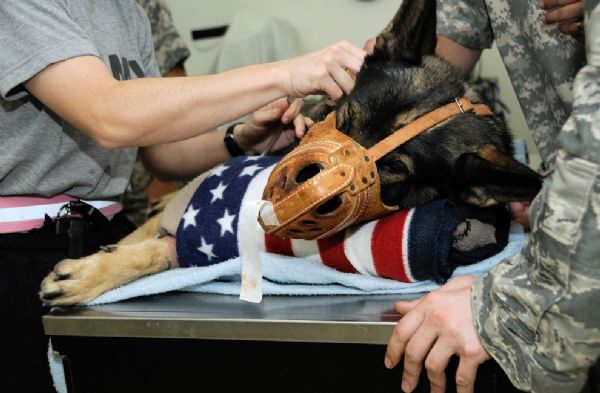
<point x="135" y="201"/>
<point x="537" y="314"/>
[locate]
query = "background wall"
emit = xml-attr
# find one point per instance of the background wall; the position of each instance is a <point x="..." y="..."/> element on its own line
<point x="319" y="23"/>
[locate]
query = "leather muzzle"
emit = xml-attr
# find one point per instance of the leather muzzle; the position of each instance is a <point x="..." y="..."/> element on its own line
<point x="327" y="183"/>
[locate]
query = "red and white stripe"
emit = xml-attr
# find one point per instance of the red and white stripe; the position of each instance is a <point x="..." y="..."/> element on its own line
<point x="23" y="213"/>
<point x="377" y="248"/>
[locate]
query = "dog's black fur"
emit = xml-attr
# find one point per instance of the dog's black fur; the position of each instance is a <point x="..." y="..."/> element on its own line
<point x="467" y="157"/>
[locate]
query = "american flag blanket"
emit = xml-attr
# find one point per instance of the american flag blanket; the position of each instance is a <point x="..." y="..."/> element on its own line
<point x="419" y="244"/>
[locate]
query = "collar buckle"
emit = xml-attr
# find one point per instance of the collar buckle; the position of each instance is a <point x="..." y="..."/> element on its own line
<point x="458" y="103"/>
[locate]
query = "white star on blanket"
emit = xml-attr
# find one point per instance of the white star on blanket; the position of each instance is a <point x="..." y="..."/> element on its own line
<point x="206" y="249"/>
<point x="217" y="192"/>
<point x="226" y="223"/>
<point x="189" y="218"/>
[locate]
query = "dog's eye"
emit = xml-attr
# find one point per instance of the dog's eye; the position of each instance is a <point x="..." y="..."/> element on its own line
<point x="308" y="172"/>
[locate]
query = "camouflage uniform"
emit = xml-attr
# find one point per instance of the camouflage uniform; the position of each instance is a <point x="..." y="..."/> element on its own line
<point x="169" y="47"/>
<point x="170" y="50"/>
<point x="537" y="314"/>
<point x="540" y="60"/>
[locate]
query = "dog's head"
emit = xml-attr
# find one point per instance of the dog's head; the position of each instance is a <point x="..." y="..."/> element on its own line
<point x="329" y="181"/>
<point x="467" y="157"/>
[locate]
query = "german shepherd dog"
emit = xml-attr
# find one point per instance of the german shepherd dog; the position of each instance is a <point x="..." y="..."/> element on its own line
<point x="467" y="157"/>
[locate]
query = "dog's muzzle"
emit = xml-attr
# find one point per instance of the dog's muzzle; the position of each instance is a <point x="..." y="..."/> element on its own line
<point x="330" y="182"/>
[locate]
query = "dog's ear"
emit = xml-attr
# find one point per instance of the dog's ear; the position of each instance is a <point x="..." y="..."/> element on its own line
<point x="411" y="34"/>
<point x="488" y="177"/>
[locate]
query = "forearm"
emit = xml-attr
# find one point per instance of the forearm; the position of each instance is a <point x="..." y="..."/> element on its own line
<point x="185" y="159"/>
<point x="175" y="109"/>
<point x="150" y="111"/>
<point x="456" y="54"/>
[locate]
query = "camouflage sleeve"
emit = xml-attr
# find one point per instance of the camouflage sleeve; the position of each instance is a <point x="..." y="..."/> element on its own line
<point x="466" y="22"/>
<point x="537" y="314"/>
<point x="169" y="47"/>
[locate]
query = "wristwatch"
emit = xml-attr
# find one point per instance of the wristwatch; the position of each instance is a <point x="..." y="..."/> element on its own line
<point x="231" y="144"/>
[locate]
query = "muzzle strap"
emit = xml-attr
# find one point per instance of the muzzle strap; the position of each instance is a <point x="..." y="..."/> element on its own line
<point x="425" y="122"/>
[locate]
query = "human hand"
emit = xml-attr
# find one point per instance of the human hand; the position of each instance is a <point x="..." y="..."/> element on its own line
<point x="369" y="46"/>
<point x="329" y="71"/>
<point x="433" y="329"/>
<point x="520" y="214"/>
<point x="567" y="15"/>
<point x="273" y="127"/>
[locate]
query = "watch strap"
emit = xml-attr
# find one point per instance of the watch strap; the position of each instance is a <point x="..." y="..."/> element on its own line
<point x="231" y="144"/>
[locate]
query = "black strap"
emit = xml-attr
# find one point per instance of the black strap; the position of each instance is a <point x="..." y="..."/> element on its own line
<point x="77" y="237"/>
<point x="231" y="144"/>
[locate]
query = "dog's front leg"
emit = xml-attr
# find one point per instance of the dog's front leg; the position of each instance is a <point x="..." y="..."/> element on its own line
<point x="76" y="281"/>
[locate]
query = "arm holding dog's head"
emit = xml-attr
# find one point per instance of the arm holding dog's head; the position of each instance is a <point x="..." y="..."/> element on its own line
<point x="458" y="55"/>
<point x="186" y="159"/>
<point x="147" y="111"/>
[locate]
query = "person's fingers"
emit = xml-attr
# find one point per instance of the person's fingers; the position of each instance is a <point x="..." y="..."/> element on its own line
<point x="292" y="111"/>
<point x="436" y="363"/>
<point x="547" y="4"/>
<point x="466" y="374"/>
<point x="331" y="88"/>
<point x="404" y="307"/>
<point x="342" y="78"/>
<point x="299" y="126"/>
<point x="286" y="137"/>
<point x="305" y="124"/>
<point x="404" y="329"/>
<point x="369" y="46"/>
<point x="416" y="349"/>
<point x="262" y="117"/>
<point x="520" y="212"/>
<point x="571" y="28"/>
<point x="281" y="103"/>
<point x="354" y="56"/>
<point x="568" y="13"/>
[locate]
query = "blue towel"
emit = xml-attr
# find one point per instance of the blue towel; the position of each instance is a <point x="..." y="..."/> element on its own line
<point x="284" y="275"/>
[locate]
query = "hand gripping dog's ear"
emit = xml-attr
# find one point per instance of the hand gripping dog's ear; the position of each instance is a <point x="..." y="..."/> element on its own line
<point x="410" y="35"/>
<point x="487" y="177"/>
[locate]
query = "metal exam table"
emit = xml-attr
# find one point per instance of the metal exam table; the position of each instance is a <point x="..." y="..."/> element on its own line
<point x="206" y="342"/>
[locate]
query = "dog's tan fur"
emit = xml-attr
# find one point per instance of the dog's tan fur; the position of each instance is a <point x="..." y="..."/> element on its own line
<point x="80" y="280"/>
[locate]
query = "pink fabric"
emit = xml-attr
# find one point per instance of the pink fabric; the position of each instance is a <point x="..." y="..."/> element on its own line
<point x="21" y="201"/>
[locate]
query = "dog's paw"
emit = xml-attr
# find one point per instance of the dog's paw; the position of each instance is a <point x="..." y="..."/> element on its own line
<point x="75" y="281"/>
